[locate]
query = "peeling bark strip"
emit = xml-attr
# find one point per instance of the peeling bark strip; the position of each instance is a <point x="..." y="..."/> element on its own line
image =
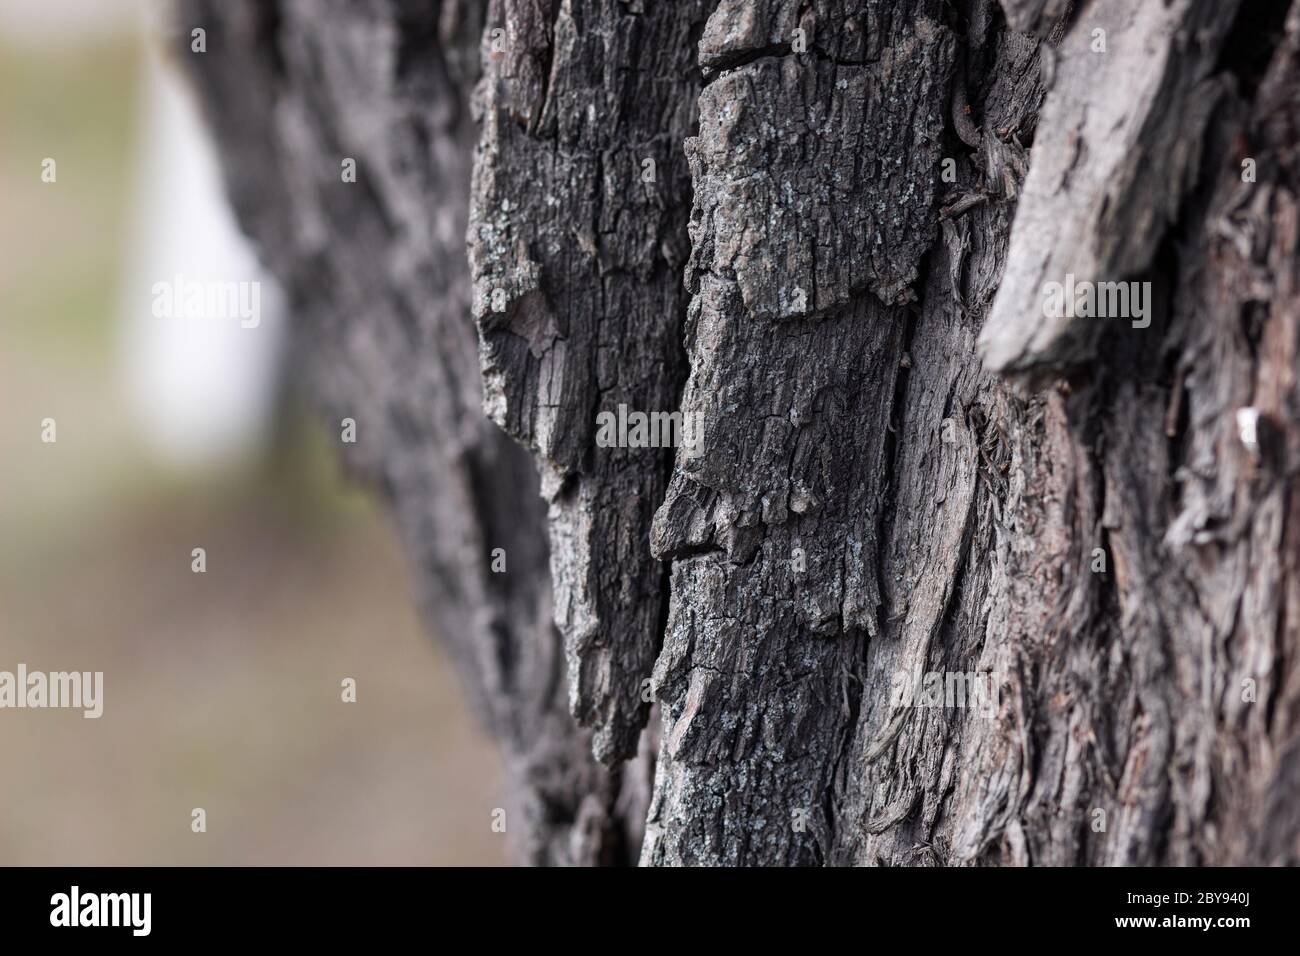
<point x="1119" y="550"/>
<point x="1040" y="17"/>
<point x="577" y="240"/>
<point x="1109" y="171"/>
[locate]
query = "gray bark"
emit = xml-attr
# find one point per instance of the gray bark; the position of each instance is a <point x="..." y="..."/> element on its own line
<point x="379" y="288"/>
<point x="585" y="258"/>
<point x="906" y="467"/>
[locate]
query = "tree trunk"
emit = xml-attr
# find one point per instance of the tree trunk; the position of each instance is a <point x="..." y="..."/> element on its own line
<point x="953" y="577"/>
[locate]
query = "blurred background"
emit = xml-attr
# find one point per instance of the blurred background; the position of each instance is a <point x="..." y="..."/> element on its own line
<point x="221" y="689"/>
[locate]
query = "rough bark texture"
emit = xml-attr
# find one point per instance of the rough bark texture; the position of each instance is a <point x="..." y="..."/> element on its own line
<point x="582" y="246"/>
<point x="1109" y="172"/>
<point x="379" y="286"/>
<point x="837" y="264"/>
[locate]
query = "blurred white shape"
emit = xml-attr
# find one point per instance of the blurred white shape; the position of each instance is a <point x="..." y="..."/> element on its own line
<point x="203" y="387"/>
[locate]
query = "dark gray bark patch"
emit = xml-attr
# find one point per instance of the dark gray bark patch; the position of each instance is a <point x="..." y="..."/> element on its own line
<point x="577" y="237"/>
<point x="815" y="180"/>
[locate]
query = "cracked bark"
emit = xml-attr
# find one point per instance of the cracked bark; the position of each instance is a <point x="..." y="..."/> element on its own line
<point x="582" y="245"/>
<point x="906" y="468"/>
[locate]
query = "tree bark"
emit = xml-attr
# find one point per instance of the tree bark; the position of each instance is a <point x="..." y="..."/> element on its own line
<point x="823" y="229"/>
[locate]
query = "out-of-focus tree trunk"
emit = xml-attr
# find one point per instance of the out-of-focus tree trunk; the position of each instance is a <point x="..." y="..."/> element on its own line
<point x="821" y="228"/>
